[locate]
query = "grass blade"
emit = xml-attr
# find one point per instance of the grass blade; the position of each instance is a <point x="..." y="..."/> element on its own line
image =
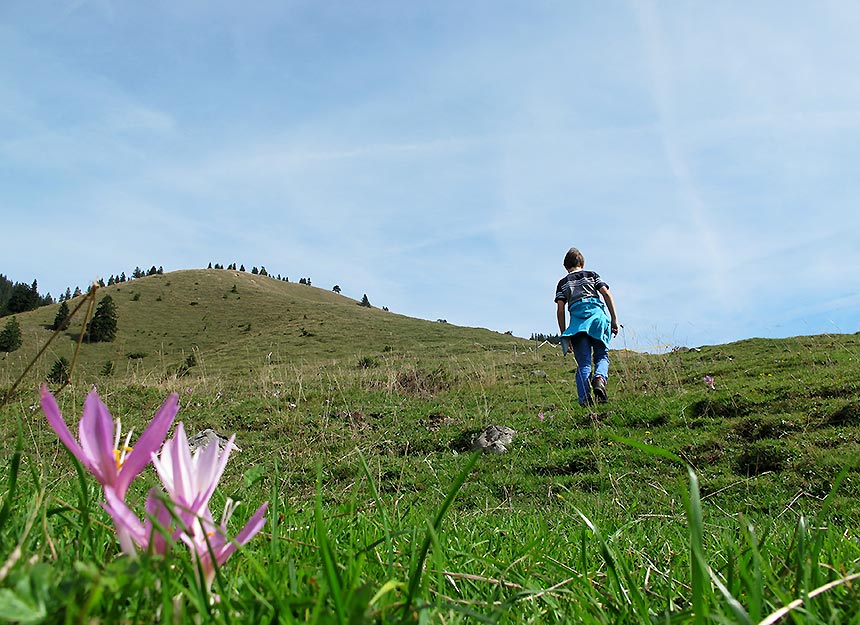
<point x="415" y="578"/>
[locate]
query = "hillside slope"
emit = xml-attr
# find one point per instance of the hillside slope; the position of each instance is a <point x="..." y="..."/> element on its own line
<point x="229" y="320"/>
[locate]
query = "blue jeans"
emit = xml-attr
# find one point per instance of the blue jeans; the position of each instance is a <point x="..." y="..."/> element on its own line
<point x="583" y="348"/>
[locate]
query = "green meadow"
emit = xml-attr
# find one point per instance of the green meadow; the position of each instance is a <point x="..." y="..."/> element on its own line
<point x="674" y="502"/>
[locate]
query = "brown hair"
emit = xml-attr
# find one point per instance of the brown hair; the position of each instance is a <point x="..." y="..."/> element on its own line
<point x="573" y="258"/>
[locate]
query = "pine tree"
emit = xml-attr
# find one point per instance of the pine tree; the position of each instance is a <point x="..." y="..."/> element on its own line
<point x="77" y="292"/>
<point x="103" y="325"/>
<point x="61" y="318"/>
<point x="160" y="270"/>
<point x="59" y="373"/>
<point x="336" y="289"/>
<point x="263" y="271"/>
<point x="210" y="265"/>
<point x="152" y="271"/>
<point x="365" y="302"/>
<point x="137" y="273"/>
<point x="10" y="337"/>
<point x="68" y="295"/>
<point x="255" y="271"/>
<point x="23" y="298"/>
<point x="242" y="268"/>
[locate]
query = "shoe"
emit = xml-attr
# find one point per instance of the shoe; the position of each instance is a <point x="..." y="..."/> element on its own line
<point x="598" y="385"/>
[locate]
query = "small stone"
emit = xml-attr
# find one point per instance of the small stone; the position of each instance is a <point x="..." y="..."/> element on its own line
<point x="202" y="439"/>
<point x="494" y="439"/>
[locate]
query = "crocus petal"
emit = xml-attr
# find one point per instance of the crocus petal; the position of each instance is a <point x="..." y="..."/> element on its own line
<point x="157" y="511"/>
<point x="210" y="467"/>
<point x="129" y="528"/>
<point x="55" y="420"/>
<point x="151" y="439"/>
<point x="96" y="435"/>
<point x="254" y="525"/>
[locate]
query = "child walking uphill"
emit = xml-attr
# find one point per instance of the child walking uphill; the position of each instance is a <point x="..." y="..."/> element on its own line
<point x="590" y="329"/>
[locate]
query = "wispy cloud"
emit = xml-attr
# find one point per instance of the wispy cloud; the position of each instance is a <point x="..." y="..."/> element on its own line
<point x="702" y="157"/>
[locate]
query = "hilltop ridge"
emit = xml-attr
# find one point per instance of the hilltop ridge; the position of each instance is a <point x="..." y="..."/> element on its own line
<point x="229" y="318"/>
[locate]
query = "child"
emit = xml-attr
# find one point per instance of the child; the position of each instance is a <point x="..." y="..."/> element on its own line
<point x="590" y="328"/>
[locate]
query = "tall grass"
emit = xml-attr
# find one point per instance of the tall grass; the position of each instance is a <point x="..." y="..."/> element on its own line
<point x="674" y="503"/>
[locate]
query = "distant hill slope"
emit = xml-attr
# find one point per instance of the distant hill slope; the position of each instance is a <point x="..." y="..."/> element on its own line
<point x="230" y="319"/>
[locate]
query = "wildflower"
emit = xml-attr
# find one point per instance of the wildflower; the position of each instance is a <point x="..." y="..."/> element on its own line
<point x="146" y="535"/>
<point x="209" y="541"/>
<point x="541" y="416"/>
<point x="710" y="382"/>
<point x="190" y="479"/>
<point x="99" y="449"/>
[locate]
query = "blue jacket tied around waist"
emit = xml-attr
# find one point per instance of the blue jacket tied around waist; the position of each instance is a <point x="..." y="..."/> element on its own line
<point x="587" y="315"/>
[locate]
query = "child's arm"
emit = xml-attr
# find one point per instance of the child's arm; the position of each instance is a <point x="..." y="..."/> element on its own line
<point x="560" y="315"/>
<point x="610" y="304"/>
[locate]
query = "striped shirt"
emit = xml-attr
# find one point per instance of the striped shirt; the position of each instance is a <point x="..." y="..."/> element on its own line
<point x="577" y="285"/>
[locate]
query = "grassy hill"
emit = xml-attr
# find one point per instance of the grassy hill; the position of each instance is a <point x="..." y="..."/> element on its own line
<point x="227" y="321"/>
<point x="674" y="502"/>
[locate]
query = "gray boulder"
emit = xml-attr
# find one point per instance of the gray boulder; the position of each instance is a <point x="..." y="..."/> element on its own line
<point x="494" y="439"/>
<point x="204" y="438"/>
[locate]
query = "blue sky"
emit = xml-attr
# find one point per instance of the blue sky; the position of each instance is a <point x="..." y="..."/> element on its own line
<point x="443" y="156"/>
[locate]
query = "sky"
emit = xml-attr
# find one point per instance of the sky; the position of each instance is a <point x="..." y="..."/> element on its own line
<point x="442" y="156"/>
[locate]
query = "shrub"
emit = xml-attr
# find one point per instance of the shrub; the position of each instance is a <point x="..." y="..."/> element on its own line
<point x="367" y="362"/>
<point x="10" y="337"/>
<point x="421" y="383"/>
<point x="59" y="373"/>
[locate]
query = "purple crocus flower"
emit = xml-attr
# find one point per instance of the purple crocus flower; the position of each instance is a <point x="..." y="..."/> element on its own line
<point x="99" y="449"/>
<point x="134" y="533"/>
<point x="710" y="382"/>
<point x="209" y="542"/>
<point x="190" y="479"/>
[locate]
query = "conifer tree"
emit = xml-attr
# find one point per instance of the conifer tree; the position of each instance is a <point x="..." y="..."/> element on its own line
<point x="242" y="268"/>
<point x="68" y="295"/>
<point x="255" y="271"/>
<point x="77" y="292"/>
<point x="152" y="271"/>
<point x="263" y="271"/>
<point x="103" y="325"/>
<point x="61" y="318"/>
<point x="137" y="273"/>
<point x="10" y="337"/>
<point x="160" y="270"/>
<point x="336" y="289"/>
<point x="365" y="302"/>
<point x="210" y="265"/>
<point x="59" y="373"/>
